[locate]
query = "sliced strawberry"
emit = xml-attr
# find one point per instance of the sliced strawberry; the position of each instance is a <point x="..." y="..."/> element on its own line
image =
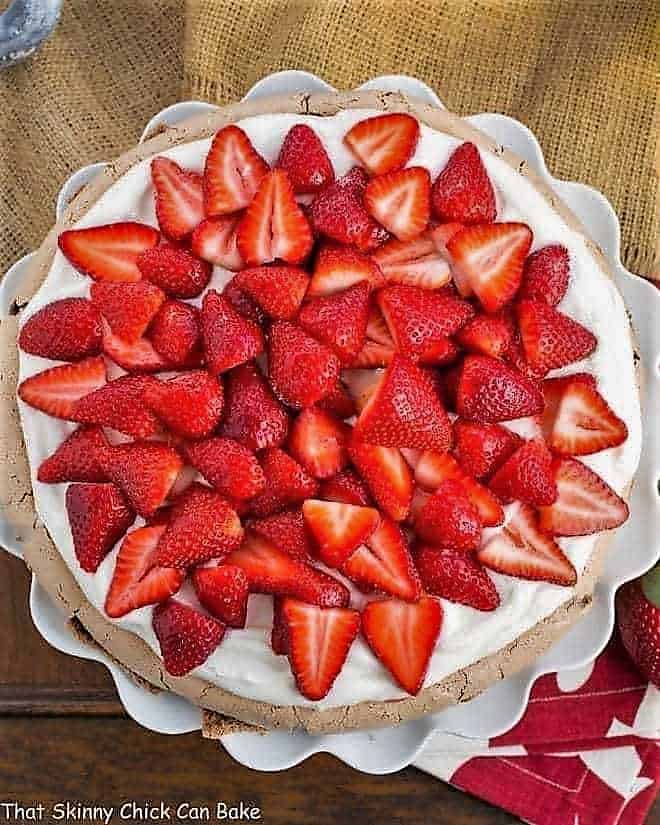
<point x="416" y="262"/>
<point x="287" y="483"/>
<point x="339" y="268"/>
<point x="442" y="233"/>
<point x="287" y="531"/>
<point x="176" y="333"/>
<point x="388" y="476"/>
<point x="489" y="391"/>
<point x="137" y="581"/>
<point x="65" y="330"/>
<point x="98" y="516"/>
<point x="305" y="160"/>
<point x="187" y="637"/>
<point x="345" y="487"/>
<point x="403" y="636"/>
<point x="229" y="338"/>
<point x="224" y="592"/>
<point x="585" y="503"/>
<point x="120" y="404"/>
<point x="109" y="252"/>
<point x="362" y="384"/>
<point x="401" y="201"/>
<point x="318" y="641"/>
<point x="545" y="275"/>
<point x="449" y="518"/>
<point x="175" y="270"/>
<point x="373" y="355"/>
<point x="526" y="476"/>
<point x="253" y="416"/>
<point x="377" y="329"/>
<point x="242" y="302"/>
<point x="214" y="240"/>
<point x="463" y="191"/>
<point x="551" y="339"/>
<point x="419" y="499"/>
<point x="228" y="466"/>
<point x="338" y="529"/>
<point x="138" y="356"/>
<point x="57" y="391"/>
<point x="78" y="458"/>
<point x="318" y="441"/>
<point x="278" y="290"/>
<point x="487" y="335"/>
<point x="302" y="371"/>
<point x="339" y="320"/>
<point x="179" y="198"/>
<point x="338" y="402"/>
<point x="127" y="307"/>
<point x="190" y="404"/>
<point x="482" y="448"/>
<point x="233" y="172"/>
<point x="457" y="577"/>
<point x="383" y="143"/>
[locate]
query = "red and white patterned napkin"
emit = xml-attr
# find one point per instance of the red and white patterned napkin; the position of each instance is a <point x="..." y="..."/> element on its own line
<point x="586" y="752"/>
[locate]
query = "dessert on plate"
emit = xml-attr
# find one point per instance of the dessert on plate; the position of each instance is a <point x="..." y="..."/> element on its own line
<point x="330" y="409"/>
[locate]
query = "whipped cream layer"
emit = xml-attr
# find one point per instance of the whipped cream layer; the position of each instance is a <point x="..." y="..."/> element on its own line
<point x="244" y="662"/>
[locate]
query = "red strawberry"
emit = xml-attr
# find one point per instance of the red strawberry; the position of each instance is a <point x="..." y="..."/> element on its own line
<point x="190" y="404"/>
<point x="377" y="329"/>
<point x="449" y="518"/>
<point x="585" y="503"/>
<point x="442" y="233"/>
<point x="144" y="472"/>
<point x="338" y="213"/>
<point x="179" y="198"/>
<point x="305" y="160"/>
<point x="139" y="356"/>
<point x="109" y="252"/>
<point x="302" y="371"/>
<point x="463" y="191"/>
<point x="78" y="458"/>
<point x="120" y="404"/>
<point x="401" y="201"/>
<point x="274" y="227"/>
<point x="338" y="529"/>
<point x="228" y="466"/>
<point x="271" y="570"/>
<point x="279" y="638"/>
<point x="338" y="402"/>
<point x="242" y="302"/>
<point x="373" y="355"/>
<point x="385" y="564"/>
<point x="638" y="617"/>
<point x="287" y="531"/>
<point x="526" y="476"/>
<point x="403" y="636"/>
<point x="338" y="268"/>
<point x="482" y="448"/>
<point x="233" y="172"/>
<point x="127" y="307"/>
<point x="287" y="483"/>
<point x="253" y="416"/>
<point x="187" y="638"/>
<point x="416" y="262"/>
<point x="388" y="476"/>
<point x="224" y="592"/>
<point x="203" y="526"/>
<point x="57" y="391"/>
<point x="345" y="487"/>
<point x="487" y="335"/>
<point x="175" y="333"/>
<point x="214" y="240"/>
<point x="545" y="275"/>
<point x="489" y="390"/>
<point x="318" y="441"/>
<point x="278" y="290"/>
<point x="383" y="143"/>
<point x="175" y="270"/>
<point x="488" y="259"/>
<point x="577" y="420"/>
<point x="318" y="641"/>
<point x="457" y="577"/>
<point x="229" y="338"/>
<point x="98" y="517"/>
<point x="551" y="339"/>
<point x="137" y="581"/>
<point x="404" y="411"/>
<point x="65" y="330"/>
<point x="339" y="320"/>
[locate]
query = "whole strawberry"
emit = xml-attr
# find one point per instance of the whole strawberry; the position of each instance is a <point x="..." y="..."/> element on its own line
<point x="638" y="617"/>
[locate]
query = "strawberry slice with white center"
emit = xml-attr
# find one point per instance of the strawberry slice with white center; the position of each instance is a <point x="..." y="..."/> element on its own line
<point x="401" y="201"/>
<point x="127" y="307"/>
<point x="57" y="390"/>
<point x="551" y="339"/>
<point x="388" y="476"/>
<point x="403" y="636"/>
<point x="463" y="191"/>
<point x="135" y="356"/>
<point x="522" y="549"/>
<point x="179" y="198"/>
<point x="318" y="441"/>
<point x="233" y="172"/>
<point x="338" y="268"/>
<point x="339" y="320"/>
<point x="318" y="642"/>
<point x="278" y="290"/>
<point x="339" y="529"/>
<point x="274" y="226"/>
<point x="585" y="503"/>
<point x="214" y="240"/>
<point x="383" y="143"/>
<point x="108" y="252"/>
<point x="187" y="637"/>
<point x="488" y="259"/>
<point x="416" y="262"/>
<point x="456" y="576"/>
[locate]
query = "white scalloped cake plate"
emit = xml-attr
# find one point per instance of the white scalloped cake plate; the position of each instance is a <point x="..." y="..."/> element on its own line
<point x="635" y="548"/>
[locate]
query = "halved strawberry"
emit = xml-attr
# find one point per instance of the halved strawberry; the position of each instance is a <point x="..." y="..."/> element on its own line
<point x="229" y="338"/>
<point x="522" y="549"/>
<point x="318" y="642"/>
<point x="242" y="302"/>
<point x="287" y="531"/>
<point x="190" y="404"/>
<point x="585" y="503"/>
<point x="138" y="356"/>
<point x="274" y="227"/>
<point x="305" y="160"/>
<point x="127" y="307"/>
<point x="65" y="330"/>
<point x="416" y="262"/>
<point x="345" y="487"/>
<point x="187" y="637"/>
<point x="224" y="592"/>
<point x="337" y="268"/>
<point x="442" y="233"/>
<point x="482" y="448"/>
<point x="487" y="335"/>
<point x="176" y="333"/>
<point x="214" y="240"/>
<point x="383" y="143"/>
<point x="373" y="355"/>
<point x="137" y="581"/>
<point x="388" y="477"/>
<point x="463" y="191"/>
<point x="109" y="252"/>
<point x="338" y="529"/>
<point x="403" y="636"/>
<point x="488" y="391"/>
<point x="545" y="275"/>
<point x="526" y="475"/>
<point x="57" y="391"/>
<point x="278" y="290"/>
<point x="98" y="516"/>
<point x="179" y="198"/>
<point x="252" y="416"/>
<point x="78" y="458"/>
<point x="551" y="339"/>
<point x="457" y="577"/>
<point x="120" y="404"/>
<point x="175" y="270"/>
<point x="287" y="483"/>
<point x="449" y="518"/>
<point x="401" y="201"/>
<point x="339" y="320"/>
<point x="338" y="402"/>
<point x="233" y="172"/>
<point x="228" y="466"/>
<point x="318" y="441"/>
